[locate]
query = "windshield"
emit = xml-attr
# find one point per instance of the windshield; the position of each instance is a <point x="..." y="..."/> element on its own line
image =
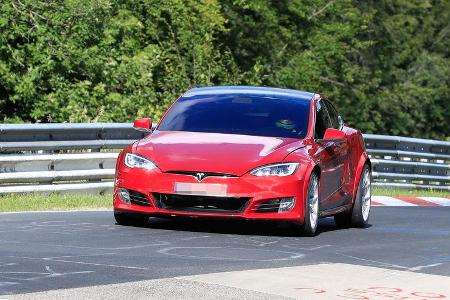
<point x="239" y="114"/>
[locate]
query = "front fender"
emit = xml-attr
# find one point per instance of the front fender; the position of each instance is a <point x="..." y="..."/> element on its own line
<point x="307" y="166"/>
<point x="363" y="159"/>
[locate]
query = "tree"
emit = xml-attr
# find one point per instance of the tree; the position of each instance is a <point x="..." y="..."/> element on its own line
<point x="83" y="61"/>
<point x="384" y="63"/>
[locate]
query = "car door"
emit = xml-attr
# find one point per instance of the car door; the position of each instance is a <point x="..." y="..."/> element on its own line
<point x="341" y="151"/>
<point x="329" y="158"/>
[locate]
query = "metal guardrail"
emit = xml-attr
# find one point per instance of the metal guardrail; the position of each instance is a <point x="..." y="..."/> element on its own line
<point x="66" y="136"/>
<point x="409" y="162"/>
<point x="80" y="158"/>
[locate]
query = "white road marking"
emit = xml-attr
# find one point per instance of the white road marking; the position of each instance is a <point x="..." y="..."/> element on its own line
<point x="287" y="255"/>
<point x="376" y="262"/>
<point x="384" y="264"/>
<point x="195" y="237"/>
<point x="82" y="263"/>
<point x="31" y="276"/>
<point x="418" y="268"/>
<point x="304" y="247"/>
<point x="7" y="264"/>
<point x="78" y="256"/>
<point x="159" y="243"/>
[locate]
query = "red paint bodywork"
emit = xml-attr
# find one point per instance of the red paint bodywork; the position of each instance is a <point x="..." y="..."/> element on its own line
<point x="340" y="169"/>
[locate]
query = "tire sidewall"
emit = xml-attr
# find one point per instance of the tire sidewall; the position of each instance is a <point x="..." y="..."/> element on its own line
<point x="357" y="214"/>
<point x="307" y="226"/>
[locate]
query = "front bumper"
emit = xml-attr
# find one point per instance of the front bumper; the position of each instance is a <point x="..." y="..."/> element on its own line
<point x="255" y="190"/>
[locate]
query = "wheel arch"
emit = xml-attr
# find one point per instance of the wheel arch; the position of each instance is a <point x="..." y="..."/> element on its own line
<point x="309" y="171"/>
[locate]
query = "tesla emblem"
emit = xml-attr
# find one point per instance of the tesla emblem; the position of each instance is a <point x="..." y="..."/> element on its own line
<point x="199" y="176"/>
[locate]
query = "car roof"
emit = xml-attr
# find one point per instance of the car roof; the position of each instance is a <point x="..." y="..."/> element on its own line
<point x="250" y="91"/>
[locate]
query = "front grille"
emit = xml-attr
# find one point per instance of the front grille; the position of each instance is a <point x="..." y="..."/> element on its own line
<point x="191" y="203"/>
<point x="138" y="198"/>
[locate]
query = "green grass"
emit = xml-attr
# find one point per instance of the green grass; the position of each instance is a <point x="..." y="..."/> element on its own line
<point x="33" y="202"/>
<point x="378" y="191"/>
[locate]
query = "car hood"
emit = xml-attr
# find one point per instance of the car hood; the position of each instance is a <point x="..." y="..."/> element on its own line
<point x="212" y="152"/>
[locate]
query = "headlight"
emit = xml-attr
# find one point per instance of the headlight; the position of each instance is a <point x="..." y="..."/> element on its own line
<point x="283" y="169"/>
<point x="136" y="161"/>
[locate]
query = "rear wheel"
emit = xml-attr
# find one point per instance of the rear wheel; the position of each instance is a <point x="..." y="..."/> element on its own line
<point x="359" y="216"/>
<point x="312" y="206"/>
<point x="361" y="209"/>
<point x="130" y="219"/>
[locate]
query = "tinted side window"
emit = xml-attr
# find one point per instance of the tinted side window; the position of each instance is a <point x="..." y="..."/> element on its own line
<point x="322" y="120"/>
<point x="333" y="114"/>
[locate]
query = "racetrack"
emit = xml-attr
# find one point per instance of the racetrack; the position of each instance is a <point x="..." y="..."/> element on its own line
<point x="43" y="252"/>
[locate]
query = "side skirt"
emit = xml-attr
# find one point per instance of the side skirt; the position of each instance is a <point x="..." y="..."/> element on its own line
<point x="336" y="210"/>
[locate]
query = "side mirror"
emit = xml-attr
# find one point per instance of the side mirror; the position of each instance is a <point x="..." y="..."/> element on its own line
<point x="333" y="135"/>
<point x="144" y="124"/>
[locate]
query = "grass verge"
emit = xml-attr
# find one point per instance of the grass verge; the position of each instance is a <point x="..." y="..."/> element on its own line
<point x="34" y="202"/>
<point x="379" y="191"/>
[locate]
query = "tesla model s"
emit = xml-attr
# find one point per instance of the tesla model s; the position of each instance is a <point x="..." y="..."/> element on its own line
<point x="246" y="152"/>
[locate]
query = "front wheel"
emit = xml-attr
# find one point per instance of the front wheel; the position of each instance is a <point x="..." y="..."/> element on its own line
<point x="312" y="206"/>
<point x="359" y="216"/>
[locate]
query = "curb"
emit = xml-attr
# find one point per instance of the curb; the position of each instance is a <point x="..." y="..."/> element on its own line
<point x="409" y="201"/>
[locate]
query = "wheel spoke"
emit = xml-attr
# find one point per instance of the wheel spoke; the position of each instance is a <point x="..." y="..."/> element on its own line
<point x="313" y="203"/>
<point x="365" y="197"/>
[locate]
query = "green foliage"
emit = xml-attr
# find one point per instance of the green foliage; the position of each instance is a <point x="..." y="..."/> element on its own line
<point x="411" y="60"/>
<point x="385" y="63"/>
<point x="83" y="61"/>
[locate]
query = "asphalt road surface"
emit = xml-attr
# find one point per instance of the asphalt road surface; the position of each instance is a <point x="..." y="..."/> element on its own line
<point x="405" y="253"/>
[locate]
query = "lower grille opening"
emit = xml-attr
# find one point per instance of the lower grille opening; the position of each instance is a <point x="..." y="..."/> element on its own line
<point x="138" y="198"/>
<point x="192" y="203"/>
<point x="275" y="205"/>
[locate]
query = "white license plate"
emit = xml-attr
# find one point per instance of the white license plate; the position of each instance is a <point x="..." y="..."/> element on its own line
<point x="200" y="189"/>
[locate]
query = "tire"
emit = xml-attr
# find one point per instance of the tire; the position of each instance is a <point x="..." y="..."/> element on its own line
<point x="130" y="219"/>
<point x="361" y="208"/>
<point x="309" y="226"/>
<point x="359" y="216"/>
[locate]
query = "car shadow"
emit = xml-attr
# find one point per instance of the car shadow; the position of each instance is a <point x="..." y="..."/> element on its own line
<point x="239" y="227"/>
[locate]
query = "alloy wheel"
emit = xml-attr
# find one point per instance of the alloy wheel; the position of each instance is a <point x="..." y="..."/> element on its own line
<point x="313" y="202"/>
<point x="365" y="195"/>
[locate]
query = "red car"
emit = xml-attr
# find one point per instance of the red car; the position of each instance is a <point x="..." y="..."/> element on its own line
<point x="246" y="152"/>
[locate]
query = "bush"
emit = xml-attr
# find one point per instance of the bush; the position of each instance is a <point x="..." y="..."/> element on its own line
<point x="384" y="63"/>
